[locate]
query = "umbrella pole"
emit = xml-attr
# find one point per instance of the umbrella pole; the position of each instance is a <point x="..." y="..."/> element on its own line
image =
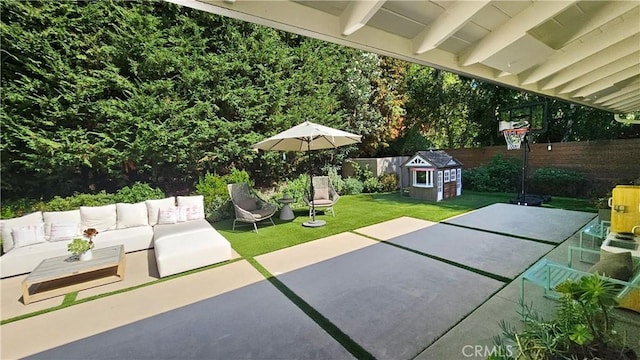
<point x="313" y="222"/>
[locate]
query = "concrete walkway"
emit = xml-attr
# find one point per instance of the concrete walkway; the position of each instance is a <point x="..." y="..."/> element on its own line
<point x="393" y="290"/>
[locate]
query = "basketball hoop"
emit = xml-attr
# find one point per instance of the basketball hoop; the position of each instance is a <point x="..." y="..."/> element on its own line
<point x="514" y="137"/>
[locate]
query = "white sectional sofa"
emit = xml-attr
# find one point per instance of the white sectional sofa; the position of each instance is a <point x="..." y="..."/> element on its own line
<point x="175" y="226"/>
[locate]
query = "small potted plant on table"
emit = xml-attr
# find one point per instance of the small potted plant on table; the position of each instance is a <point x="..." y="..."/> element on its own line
<point x="83" y="248"/>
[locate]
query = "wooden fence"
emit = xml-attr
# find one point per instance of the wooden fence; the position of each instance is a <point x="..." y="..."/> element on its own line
<point x="604" y="163"/>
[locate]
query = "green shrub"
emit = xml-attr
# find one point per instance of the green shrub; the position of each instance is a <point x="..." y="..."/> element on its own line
<point x="238" y="176"/>
<point x="559" y="182"/>
<point x="76" y="200"/>
<point x="137" y="193"/>
<point x="371" y="185"/>
<point x="216" y="197"/>
<point x="353" y="186"/>
<point x="389" y="182"/>
<point x="336" y="180"/>
<point x="296" y="189"/>
<point x="499" y="175"/>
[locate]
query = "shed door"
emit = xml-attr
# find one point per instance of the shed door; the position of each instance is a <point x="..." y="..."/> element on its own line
<point x="439" y="185"/>
<point x="459" y="182"/>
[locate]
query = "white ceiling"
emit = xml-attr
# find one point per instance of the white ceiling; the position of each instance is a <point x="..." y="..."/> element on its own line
<point x="586" y="52"/>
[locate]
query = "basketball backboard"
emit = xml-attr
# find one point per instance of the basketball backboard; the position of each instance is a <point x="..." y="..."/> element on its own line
<point x="533" y="115"/>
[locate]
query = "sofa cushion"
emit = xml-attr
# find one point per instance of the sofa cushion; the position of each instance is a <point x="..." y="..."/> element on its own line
<point x="9" y="224"/>
<point x="60" y="217"/>
<point x="614" y="265"/>
<point x="63" y="232"/>
<point x="153" y="208"/>
<point x="196" y="205"/>
<point x="131" y="215"/>
<point x="28" y="235"/>
<point x="101" y="218"/>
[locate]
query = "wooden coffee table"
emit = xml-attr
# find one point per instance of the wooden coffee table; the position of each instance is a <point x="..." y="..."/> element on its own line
<point x="64" y="274"/>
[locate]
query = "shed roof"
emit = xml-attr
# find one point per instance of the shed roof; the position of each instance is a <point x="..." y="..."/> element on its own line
<point x="437" y="158"/>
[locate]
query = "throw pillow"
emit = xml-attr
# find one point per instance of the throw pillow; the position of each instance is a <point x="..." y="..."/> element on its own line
<point x="101" y="218"/>
<point x="196" y="202"/>
<point x="614" y="265"/>
<point x="248" y="204"/>
<point x="153" y="208"/>
<point x="182" y="213"/>
<point x="168" y="215"/>
<point x="28" y="235"/>
<point x="131" y="215"/>
<point x="63" y="232"/>
<point x="9" y="224"/>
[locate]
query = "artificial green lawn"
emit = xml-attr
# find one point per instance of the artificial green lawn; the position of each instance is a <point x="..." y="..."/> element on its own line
<point x="356" y="211"/>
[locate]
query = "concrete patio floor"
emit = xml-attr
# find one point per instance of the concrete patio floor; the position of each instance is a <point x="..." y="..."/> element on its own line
<point x="386" y="288"/>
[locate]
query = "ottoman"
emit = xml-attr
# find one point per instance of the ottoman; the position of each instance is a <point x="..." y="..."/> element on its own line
<point x="188" y="245"/>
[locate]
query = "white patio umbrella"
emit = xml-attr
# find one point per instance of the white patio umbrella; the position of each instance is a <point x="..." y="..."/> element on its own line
<point x="306" y="137"/>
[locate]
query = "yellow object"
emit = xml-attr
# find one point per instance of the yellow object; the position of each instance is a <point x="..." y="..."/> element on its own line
<point x="625" y="208"/>
<point x="631" y="300"/>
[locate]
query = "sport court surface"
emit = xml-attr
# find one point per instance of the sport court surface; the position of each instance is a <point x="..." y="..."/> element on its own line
<point x="392" y="294"/>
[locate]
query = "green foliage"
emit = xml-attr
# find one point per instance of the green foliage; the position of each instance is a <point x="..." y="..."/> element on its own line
<point x="353" y="186"/>
<point x="560" y="182"/>
<point x="499" y="175"/>
<point x="99" y="95"/>
<point x="296" y="189"/>
<point x="79" y="246"/>
<point x="388" y="182"/>
<point x="370" y="183"/>
<point x="137" y="193"/>
<point x="213" y="188"/>
<point x="582" y="328"/>
<point x="336" y="180"/>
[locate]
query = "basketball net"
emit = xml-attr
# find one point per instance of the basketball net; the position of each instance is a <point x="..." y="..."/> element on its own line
<point x="514" y="137"/>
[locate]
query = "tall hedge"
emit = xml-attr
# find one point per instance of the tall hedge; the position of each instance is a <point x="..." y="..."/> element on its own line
<point x="100" y="94"/>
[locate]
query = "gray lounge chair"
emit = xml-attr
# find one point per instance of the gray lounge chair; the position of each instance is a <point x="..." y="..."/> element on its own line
<point x="249" y="207"/>
<point x="325" y="195"/>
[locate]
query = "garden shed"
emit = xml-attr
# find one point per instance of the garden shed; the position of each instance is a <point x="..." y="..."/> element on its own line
<point x="433" y="175"/>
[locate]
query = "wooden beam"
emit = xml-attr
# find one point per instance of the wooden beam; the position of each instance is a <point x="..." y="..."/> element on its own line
<point x="603" y="72"/>
<point x="505" y="35"/>
<point x="576" y="52"/>
<point x="357" y="14"/>
<point x="447" y="24"/>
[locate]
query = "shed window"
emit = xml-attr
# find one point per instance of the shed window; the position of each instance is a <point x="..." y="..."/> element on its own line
<point x="446" y="176"/>
<point x="423" y="178"/>
<point x="453" y="174"/>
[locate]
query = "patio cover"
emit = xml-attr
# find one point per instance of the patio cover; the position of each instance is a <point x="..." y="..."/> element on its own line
<point x="585" y="52"/>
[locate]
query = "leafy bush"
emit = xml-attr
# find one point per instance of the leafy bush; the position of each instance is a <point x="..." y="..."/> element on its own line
<point x="583" y="327"/>
<point x="137" y="193"/>
<point x="353" y="186"/>
<point x="559" y="182"/>
<point x="499" y="175"/>
<point x="336" y="180"/>
<point x="389" y="182"/>
<point x="76" y="200"/>
<point x="295" y="189"/>
<point x="372" y="185"/>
